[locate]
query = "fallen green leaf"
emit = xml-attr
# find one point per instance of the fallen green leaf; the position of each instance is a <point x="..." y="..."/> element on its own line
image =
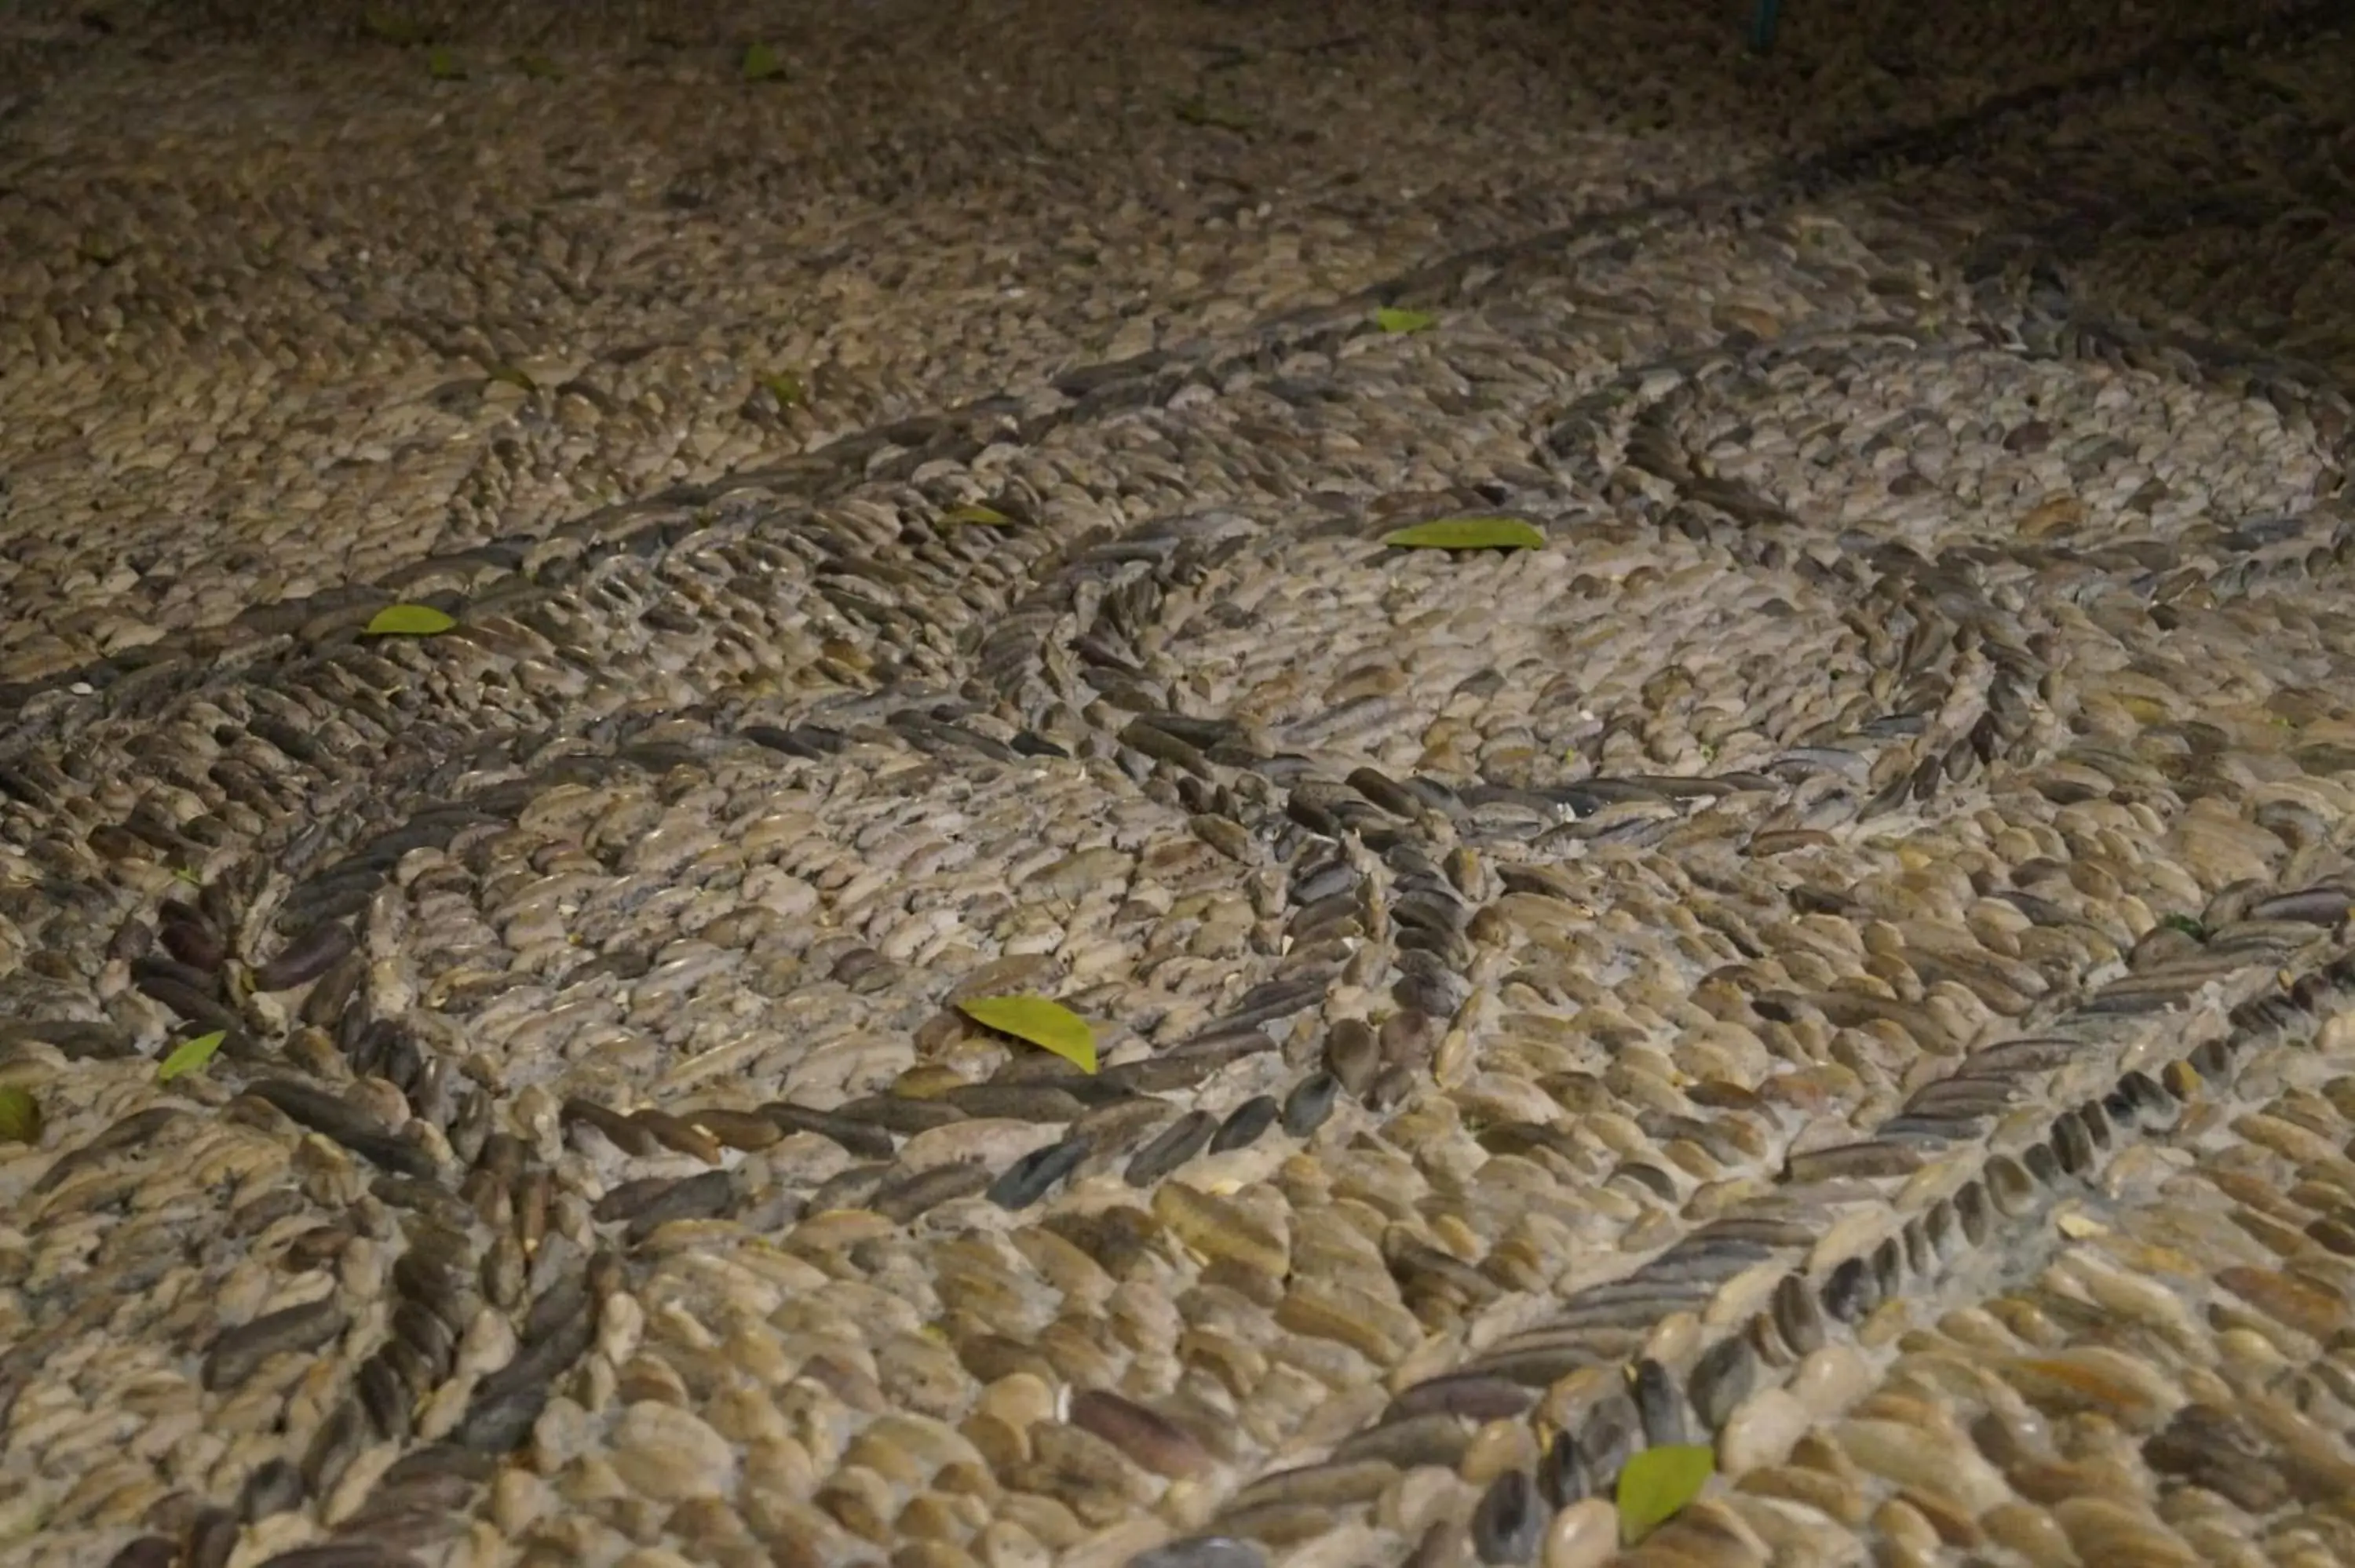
<point x="761" y="63"/>
<point x="20" y="1116"/>
<point x="983" y="516"/>
<point x="190" y="877"/>
<point x="443" y="66"/>
<point x="2189" y="925"/>
<point x="189" y="1055"/>
<point x="515" y="377"/>
<point x="1468" y="534"/>
<point x="1656" y="1485"/>
<point x="1392" y="320"/>
<point x="539" y="68"/>
<point x="785" y="388"/>
<point x="408" y="620"/>
<point x="1045" y="1024"/>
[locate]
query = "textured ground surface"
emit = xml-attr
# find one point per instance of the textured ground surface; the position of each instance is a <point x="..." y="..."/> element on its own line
<point x="1840" y="956"/>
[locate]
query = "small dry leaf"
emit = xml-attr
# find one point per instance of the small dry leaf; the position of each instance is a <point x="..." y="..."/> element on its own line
<point x="515" y="377"/>
<point x="1656" y="1485"/>
<point x="20" y="1116"/>
<point x="1045" y="1024"/>
<point x="1391" y="320"/>
<point x="1468" y="534"/>
<point x="410" y="621"/>
<point x="189" y="1055"/>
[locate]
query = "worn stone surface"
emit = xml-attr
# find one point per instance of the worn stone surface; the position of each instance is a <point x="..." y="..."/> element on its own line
<point x="1838" y="954"/>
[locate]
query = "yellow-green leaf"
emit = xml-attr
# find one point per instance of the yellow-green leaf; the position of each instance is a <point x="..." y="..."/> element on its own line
<point x="443" y="66"/>
<point x="1045" y="1024"/>
<point x="761" y="63"/>
<point x="785" y="388"/>
<point x="1656" y="1485"/>
<point x="190" y="877"/>
<point x="515" y="377"/>
<point x="189" y="1055"/>
<point x="1468" y="534"/>
<point x="1392" y="320"/>
<point x="539" y="68"/>
<point x="20" y="1114"/>
<point x="983" y="516"/>
<point x="408" y="620"/>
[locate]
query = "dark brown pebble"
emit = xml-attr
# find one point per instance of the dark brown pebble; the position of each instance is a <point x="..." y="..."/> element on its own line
<point x="317" y="1247"/>
<point x="1428" y="1439"/>
<point x="624" y="1134"/>
<point x="1177" y="1143"/>
<point x="1562" y="1472"/>
<point x="385" y="1396"/>
<point x="236" y="1353"/>
<point x="428" y="1198"/>
<point x="1353" y="1054"/>
<point x="852" y="1189"/>
<point x="680" y="1135"/>
<point x="306" y="958"/>
<point x="708" y="1196"/>
<point x="212" y="1538"/>
<point x="1245" y="1125"/>
<point x="323" y="1005"/>
<point x="1148" y="1438"/>
<point x="1508" y="1521"/>
<point x="1389" y="1088"/>
<point x="1167" y="1074"/>
<point x="138" y="1132"/>
<point x="334" y="1447"/>
<point x="191" y="938"/>
<point x="190" y="1003"/>
<point x="748" y="1131"/>
<point x="1798" y="1322"/>
<point x="862" y="1138"/>
<point x="911" y="1196"/>
<point x="1310" y="1104"/>
<point x="343" y="1554"/>
<point x="2214" y="1448"/>
<point x="1113" y="1126"/>
<point x="895" y="1114"/>
<point x="346" y="1124"/>
<point x="273" y="1486"/>
<point x="1471" y="1395"/>
<point x="1036" y="1174"/>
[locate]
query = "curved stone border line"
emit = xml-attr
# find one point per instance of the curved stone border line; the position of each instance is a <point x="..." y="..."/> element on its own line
<point x="1591" y="1411"/>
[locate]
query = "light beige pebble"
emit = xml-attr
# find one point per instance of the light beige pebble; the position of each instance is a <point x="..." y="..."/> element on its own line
<point x="1584" y="1535"/>
<point x="1761" y="1430"/>
<point x="670" y="1454"/>
<point x="1943" y="1464"/>
<point x="1114" y="1544"/>
<point x="1828" y="1381"/>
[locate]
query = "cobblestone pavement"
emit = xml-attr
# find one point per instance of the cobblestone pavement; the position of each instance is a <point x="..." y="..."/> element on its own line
<point x="1839" y="955"/>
